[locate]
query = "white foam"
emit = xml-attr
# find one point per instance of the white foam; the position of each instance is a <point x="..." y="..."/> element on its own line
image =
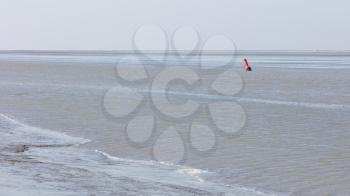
<point x="297" y="104"/>
<point x="262" y="101"/>
<point x="17" y="133"/>
<point x="197" y="96"/>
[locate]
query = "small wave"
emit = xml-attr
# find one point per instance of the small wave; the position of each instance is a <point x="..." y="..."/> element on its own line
<point x="297" y="104"/>
<point x="14" y="132"/>
<point x="200" y="96"/>
<point x="68" y="170"/>
<point x="256" y="100"/>
<point x="191" y="172"/>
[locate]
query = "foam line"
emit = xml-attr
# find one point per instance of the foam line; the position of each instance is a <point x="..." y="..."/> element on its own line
<point x="296" y="104"/>
<point x="198" y="96"/>
<point x="34" y="136"/>
<point x="262" y="101"/>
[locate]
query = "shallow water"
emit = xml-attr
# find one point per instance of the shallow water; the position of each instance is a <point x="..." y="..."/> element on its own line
<point x="294" y="140"/>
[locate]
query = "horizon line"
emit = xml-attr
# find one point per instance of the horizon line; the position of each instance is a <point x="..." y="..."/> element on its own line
<point x="182" y="52"/>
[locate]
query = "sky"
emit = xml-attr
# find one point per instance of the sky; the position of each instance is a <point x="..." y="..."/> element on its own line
<point x="111" y="24"/>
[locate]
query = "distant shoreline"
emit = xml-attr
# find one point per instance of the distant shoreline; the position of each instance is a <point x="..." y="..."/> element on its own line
<point x="173" y="52"/>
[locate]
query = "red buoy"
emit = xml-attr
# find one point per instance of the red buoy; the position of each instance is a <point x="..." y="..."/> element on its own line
<point x="246" y="65"/>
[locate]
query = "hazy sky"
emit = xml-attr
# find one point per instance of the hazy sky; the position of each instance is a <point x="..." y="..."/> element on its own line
<point x="110" y="24"/>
